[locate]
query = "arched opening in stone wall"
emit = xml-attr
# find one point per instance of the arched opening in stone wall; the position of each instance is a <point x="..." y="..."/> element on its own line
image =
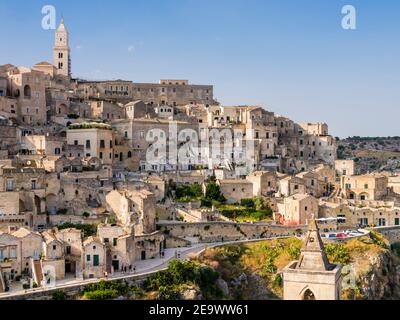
<point x="27" y="92"/>
<point x="51" y="203"/>
<point x="308" y="295"/>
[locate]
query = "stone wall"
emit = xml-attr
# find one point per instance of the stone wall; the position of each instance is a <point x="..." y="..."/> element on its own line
<point x="226" y="231"/>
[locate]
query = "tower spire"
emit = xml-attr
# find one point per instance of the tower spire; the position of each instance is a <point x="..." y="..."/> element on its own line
<point x="313" y="255"/>
<point x="62" y="57"/>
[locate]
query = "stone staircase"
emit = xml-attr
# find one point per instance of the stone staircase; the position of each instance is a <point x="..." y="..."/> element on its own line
<point x="37" y="272"/>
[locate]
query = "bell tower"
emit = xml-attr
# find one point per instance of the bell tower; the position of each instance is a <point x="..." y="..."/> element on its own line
<point x="312" y="277"/>
<point x="62" y="56"/>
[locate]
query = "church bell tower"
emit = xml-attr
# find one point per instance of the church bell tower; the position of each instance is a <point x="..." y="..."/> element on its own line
<point x="62" y="56"/>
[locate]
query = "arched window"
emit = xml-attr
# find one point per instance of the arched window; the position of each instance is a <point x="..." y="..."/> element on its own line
<point x="308" y="295"/>
<point x="129" y="154"/>
<point x="27" y="92"/>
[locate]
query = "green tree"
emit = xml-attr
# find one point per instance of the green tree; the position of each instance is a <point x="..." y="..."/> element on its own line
<point x="213" y="192"/>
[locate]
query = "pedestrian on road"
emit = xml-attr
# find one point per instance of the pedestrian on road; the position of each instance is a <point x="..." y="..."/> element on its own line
<point x="130" y="268"/>
<point x="134" y="269"/>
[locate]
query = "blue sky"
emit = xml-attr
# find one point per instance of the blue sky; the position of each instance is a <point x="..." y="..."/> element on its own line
<point x="290" y="56"/>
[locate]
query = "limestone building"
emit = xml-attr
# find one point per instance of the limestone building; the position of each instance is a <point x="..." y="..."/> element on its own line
<point x="312" y="277"/>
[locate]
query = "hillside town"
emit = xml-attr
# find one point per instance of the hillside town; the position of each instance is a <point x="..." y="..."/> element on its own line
<point x="96" y="176"/>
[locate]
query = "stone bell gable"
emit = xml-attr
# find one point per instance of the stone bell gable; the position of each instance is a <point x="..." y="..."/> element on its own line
<point x="313" y="256"/>
<point x="312" y="277"/>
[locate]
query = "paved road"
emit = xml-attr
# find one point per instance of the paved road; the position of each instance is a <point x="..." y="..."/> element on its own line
<point x="143" y="268"/>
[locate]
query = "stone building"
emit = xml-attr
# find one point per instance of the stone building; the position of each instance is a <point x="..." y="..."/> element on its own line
<point x="97" y="140"/>
<point x="298" y="209"/>
<point x="26" y="95"/>
<point x="10" y="256"/>
<point x="312" y="277"/>
<point x="235" y="190"/>
<point x="166" y="92"/>
<point x="344" y="167"/>
<point x="264" y="182"/>
<point x="31" y="247"/>
<point x="364" y="187"/>
<point x="290" y="185"/>
<point x="100" y="109"/>
<point x="94" y="261"/>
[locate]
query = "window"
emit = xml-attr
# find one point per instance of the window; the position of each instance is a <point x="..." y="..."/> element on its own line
<point x="33" y="184"/>
<point x="106" y="240"/>
<point x="102" y="144"/>
<point x="27" y="92"/>
<point x="54" y="247"/>
<point x="13" y="253"/>
<point x="141" y="134"/>
<point x="95" y="260"/>
<point x="115" y="242"/>
<point x="68" y="249"/>
<point x="111" y="144"/>
<point x="126" y="134"/>
<point x="101" y="155"/>
<point x="76" y="142"/>
<point x="88" y="144"/>
<point x="366" y="186"/>
<point x="2" y="256"/>
<point x="10" y="185"/>
<point x="396" y="221"/>
<point x="88" y="257"/>
<point x="129" y="154"/>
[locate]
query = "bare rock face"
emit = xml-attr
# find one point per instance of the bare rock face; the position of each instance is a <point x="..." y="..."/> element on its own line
<point x="191" y="294"/>
<point x="223" y="286"/>
<point x="382" y="282"/>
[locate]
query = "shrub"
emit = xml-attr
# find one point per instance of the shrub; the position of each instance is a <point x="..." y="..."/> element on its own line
<point x="88" y="229"/>
<point x="86" y="214"/>
<point x="338" y="253"/>
<point x="183" y="272"/>
<point x="278" y="281"/>
<point x="249" y="203"/>
<point x="105" y="294"/>
<point x="105" y="290"/>
<point x="213" y="192"/>
<point x="187" y="193"/>
<point x="59" y="295"/>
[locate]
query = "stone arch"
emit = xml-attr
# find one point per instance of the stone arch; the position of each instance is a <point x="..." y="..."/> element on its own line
<point x="364" y="196"/>
<point x="62" y="109"/>
<point x="27" y="92"/>
<point x="51" y="203"/>
<point x="307" y="294"/>
<point x="38" y="201"/>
